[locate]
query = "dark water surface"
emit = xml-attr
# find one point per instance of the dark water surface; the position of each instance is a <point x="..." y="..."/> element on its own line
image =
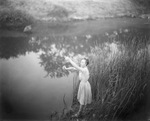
<point x="32" y="80"/>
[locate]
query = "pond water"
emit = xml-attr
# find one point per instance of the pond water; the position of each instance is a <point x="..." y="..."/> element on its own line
<point x="32" y="80"/>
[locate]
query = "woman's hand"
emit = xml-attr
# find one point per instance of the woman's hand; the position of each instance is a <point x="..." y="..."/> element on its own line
<point x="64" y="67"/>
<point x="67" y="58"/>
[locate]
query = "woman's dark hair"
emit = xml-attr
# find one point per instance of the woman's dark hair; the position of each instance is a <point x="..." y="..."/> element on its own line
<point x="87" y="61"/>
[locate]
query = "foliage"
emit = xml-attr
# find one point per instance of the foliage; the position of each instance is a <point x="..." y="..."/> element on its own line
<point x="13" y="19"/>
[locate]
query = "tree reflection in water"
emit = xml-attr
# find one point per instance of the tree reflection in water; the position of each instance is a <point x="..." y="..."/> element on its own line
<point x="54" y="48"/>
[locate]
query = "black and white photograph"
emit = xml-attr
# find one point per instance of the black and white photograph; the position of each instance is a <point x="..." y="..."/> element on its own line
<point x="74" y="60"/>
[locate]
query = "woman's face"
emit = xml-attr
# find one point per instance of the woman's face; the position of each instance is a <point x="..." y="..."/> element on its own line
<point x="83" y="63"/>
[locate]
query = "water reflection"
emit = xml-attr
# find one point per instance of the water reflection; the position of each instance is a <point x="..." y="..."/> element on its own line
<point x="56" y="47"/>
<point x="51" y="51"/>
<point x="53" y="48"/>
<point x="13" y="47"/>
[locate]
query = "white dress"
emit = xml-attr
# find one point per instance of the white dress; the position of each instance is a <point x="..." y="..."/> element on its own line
<point x="84" y="92"/>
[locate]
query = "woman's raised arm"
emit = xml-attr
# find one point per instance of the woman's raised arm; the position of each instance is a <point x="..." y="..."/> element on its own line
<point x="69" y="68"/>
<point x="74" y="64"/>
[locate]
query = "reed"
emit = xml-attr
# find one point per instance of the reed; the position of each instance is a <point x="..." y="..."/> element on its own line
<point x="118" y="80"/>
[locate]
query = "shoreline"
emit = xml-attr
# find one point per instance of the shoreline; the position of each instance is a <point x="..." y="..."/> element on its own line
<point x="18" y="14"/>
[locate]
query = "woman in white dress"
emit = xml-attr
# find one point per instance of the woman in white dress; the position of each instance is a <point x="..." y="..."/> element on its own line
<point x="84" y="95"/>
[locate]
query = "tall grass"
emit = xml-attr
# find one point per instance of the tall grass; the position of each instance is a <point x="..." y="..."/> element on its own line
<point x="118" y="80"/>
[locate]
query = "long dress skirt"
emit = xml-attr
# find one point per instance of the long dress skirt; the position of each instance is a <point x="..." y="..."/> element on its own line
<point x="84" y="93"/>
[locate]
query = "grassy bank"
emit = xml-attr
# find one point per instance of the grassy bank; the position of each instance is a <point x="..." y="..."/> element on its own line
<point x="118" y="84"/>
<point x="21" y="12"/>
<point x="119" y="78"/>
<point x="75" y="9"/>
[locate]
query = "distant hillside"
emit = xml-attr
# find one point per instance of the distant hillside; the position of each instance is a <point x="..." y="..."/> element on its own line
<point x="64" y="10"/>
